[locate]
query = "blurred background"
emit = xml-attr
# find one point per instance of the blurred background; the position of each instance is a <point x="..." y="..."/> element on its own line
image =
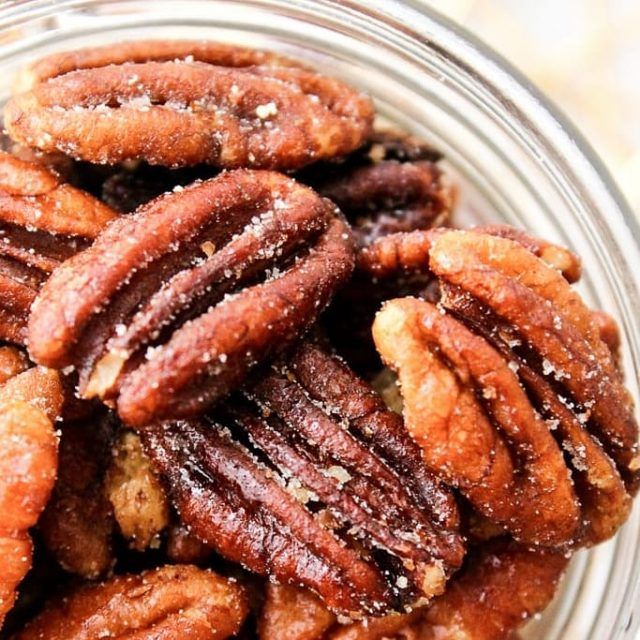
<point x="584" y="54"/>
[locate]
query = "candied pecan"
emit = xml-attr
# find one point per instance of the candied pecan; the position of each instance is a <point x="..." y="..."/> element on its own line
<point x="321" y="527"/>
<point x="28" y="462"/>
<point x="42" y="222"/>
<point x="139" y="503"/>
<point x="166" y="312"/>
<point x="170" y="602"/>
<point x="231" y="114"/>
<point x="524" y="346"/>
<point x="77" y="524"/>
<point x="291" y="613"/>
<point x="502" y="585"/>
<point x="409" y="252"/>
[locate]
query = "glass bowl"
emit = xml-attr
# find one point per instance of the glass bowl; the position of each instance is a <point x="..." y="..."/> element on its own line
<point x="516" y="158"/>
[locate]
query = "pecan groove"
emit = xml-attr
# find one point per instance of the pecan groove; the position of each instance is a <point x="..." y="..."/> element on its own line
<point x="325" y="530"/>
<point x="516" y="341"/>
<point x="183" y="290"/>
<point x="169" y="602"/>
<point x="230" y="114"/>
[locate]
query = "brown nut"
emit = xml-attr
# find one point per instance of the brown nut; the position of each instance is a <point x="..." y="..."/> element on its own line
<point x="316" y="483"/>
<point x="28" y="464"/>
<point x="232" y="113"/>
<point x="163" y="314"/>
<point x="77" y="525"/>
<point x="522" y="354"/>
<point x="170" y="602"/>
<point x="42" y="222"/>
<point x="291" y="613"/>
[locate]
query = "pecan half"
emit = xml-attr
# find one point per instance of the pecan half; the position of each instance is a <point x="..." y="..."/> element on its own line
<point x="230" y="114"/>
<point x="29" y="402"/>
<point x="166" y="311"/>
<point x="42" y="222"/>
<point x="315" y="483"/>
<point x="77" y="524"/>
<point x="502" y="586"/>
<point x="512" y="377"/>
<point x="169" y="602"/>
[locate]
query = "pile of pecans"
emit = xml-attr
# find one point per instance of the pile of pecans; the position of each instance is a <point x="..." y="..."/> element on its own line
<point x="255" y="384"/>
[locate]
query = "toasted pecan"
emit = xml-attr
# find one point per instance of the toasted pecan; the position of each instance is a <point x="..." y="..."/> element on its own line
<point x="163" y="312"/>
<point x="228" y="488"/>
<point x="229" y="114"/>
<point x="169" y="602"/>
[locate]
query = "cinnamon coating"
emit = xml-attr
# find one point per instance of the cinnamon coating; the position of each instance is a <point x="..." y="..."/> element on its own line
<point x="163" y="313"/>
<point x="28" y="463"/>
<point x="168" y="602"/>
<point x="42" y="222"/>
<point x="313" y="503"/>
<point x="230" y="114"/>
<point x="512" y="393"/>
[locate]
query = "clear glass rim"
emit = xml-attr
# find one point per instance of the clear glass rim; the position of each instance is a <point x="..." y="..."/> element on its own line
<point x="568" y="157"/>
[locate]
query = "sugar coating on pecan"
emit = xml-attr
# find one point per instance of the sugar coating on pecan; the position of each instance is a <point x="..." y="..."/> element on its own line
<point x="77" y="525"/>
<point x="512" y="392"/>
<point x="28" y="464"/>
<point x="502" y="586"/>
<point x="139" y="502"/>
<point x="171" y="307"/>
<point x="168" y="602"/>
<point x="42" y="222"/>
<point x="316" y="483"/>
<point x="229" y="114"/>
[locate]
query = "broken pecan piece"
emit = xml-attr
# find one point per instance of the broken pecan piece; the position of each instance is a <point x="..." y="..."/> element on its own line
<point x="139" y="503"/>
<point x="166" y="311"/>
<point x="28" y="463"/>
<point x="515" y="365"/>
<point x="42" y="222"/>
<point x="230" y="114"/>
<point x="170" y="602"/>
<point x="314" y="483"/>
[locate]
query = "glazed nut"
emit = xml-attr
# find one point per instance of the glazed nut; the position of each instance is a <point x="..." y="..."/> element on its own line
<point x="513" y="346"/>
<point x="216" y="105"/>
<point x="28" y="464"/>
<point x="77" y="525"/>
<point x="169" y="602"/>
<point x="340" y="500"/>
<point x="42" y="222"/>
<point x="163" y="315"/>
